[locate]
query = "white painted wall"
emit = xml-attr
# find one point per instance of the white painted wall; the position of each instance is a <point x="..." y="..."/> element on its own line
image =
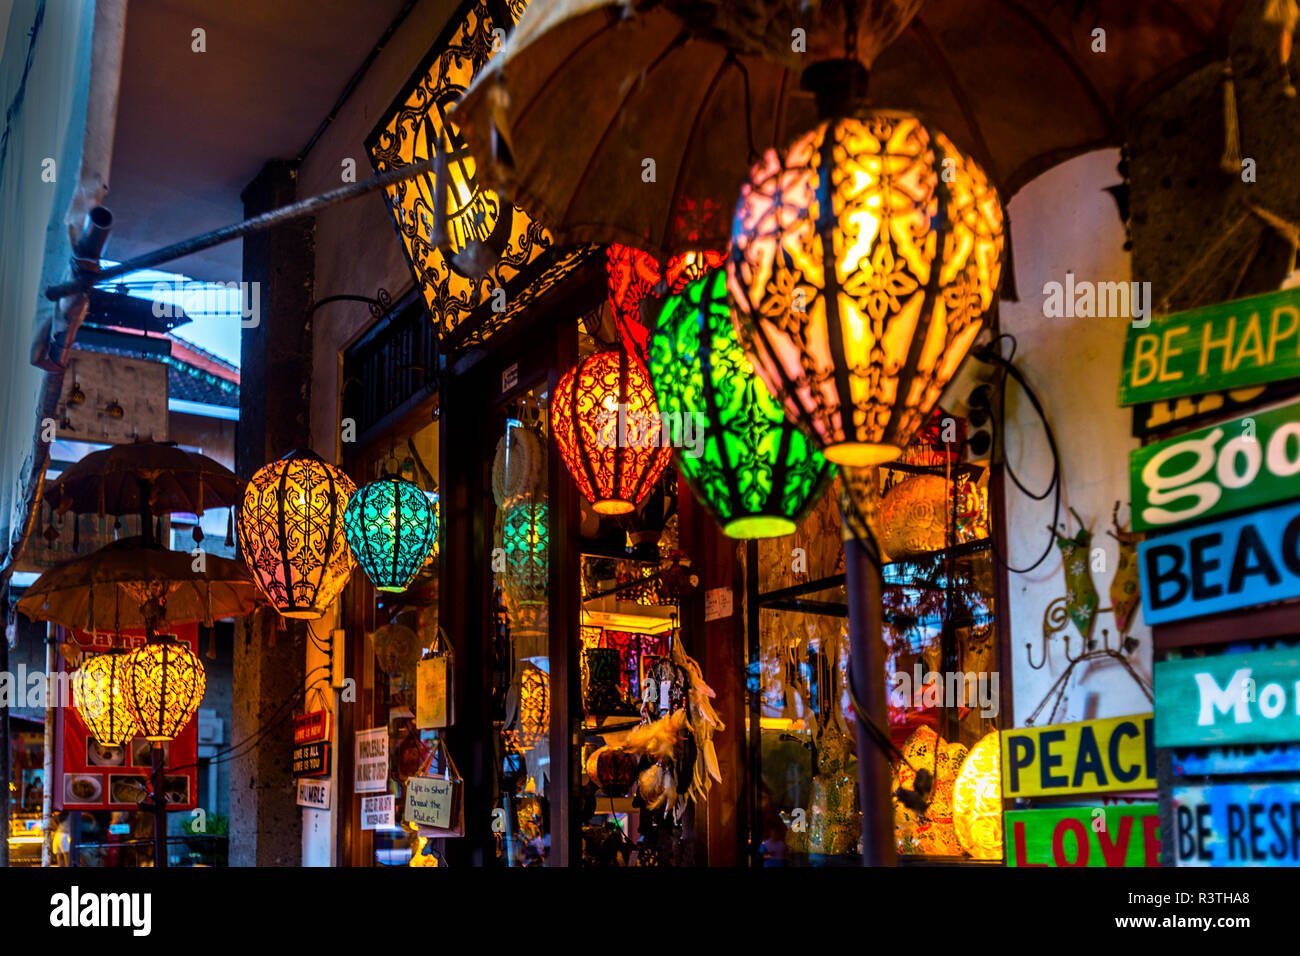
<point x="1064" y="222"/>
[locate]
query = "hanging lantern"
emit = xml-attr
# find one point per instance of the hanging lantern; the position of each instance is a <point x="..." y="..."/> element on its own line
<point x="862" y="263"/>
<point x="633" y="274"/>
<point x="291" y="533"/>
<point x="525" y="537"/>
<point x="977" y="800"/>
<point x="755" y="472"/>
<point x="164" y="684"/>
<point x="533" y="724"/>
<point x="606" y="422"/>
<point x="99" y="694"/>
<point x="391" y="529"/>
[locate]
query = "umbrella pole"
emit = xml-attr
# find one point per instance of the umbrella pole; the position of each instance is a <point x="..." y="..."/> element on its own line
<point x="146" y="513"/>
<point x="159" y="807"/>
<point x="867" y="672"/>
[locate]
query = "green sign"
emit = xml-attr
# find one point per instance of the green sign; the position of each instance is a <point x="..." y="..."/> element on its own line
<point x="1228" y="345"/>
<point x="1126" y="835"/>
<point x="1245" y="698"/>
<point x="1232" y="466"/>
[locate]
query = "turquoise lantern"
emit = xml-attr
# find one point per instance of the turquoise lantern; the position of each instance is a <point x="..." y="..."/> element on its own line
<point x="391" y="528"/>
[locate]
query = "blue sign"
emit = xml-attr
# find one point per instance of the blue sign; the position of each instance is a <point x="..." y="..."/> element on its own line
<point x="1249" y="758"/>
<point x="1222" y="566"/>
<point x="1237" y="824"/>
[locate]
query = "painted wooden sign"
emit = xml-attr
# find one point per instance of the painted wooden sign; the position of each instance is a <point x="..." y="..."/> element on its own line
<point x="311" y="759"/>
<point x="1248" y="758"/>
<point x="1237" y="824"/>
<point x="1084" y="836"/>
<point x="1229" y="564"/>
<point x="1233" y="466"/>
<point x="1248" y="698"/>
<point x="1228" y="345"/>
<point x="314" y="794"/>
<point x="1150" y="418"/>
<point x="430" y="801"/>
<point x="1092" y="756"/>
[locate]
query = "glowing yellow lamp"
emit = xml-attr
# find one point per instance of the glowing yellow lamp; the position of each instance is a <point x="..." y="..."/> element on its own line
<point x="977" y="800"/>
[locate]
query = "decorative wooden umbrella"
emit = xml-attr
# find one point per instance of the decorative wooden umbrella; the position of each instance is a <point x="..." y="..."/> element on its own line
<point x="565" y="118"/>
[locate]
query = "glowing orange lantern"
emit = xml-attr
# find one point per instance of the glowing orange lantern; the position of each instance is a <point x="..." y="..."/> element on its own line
<point x="863" y="260"/>
<point x="164" y="685"/>
<point x="632" y="274"/>
<point x="291" y="532"/>
<point x="606" y="422"/>
<point x="99" y="694"/>
<point x="977" y="800"/>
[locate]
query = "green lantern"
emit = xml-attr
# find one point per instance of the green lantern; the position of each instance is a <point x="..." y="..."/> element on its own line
<point x="391" y="528"/>
<point x="753" y="470"/>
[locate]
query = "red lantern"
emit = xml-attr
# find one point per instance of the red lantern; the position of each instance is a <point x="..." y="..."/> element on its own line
<point x="632" y="274"/>
<point x="606" y="422"/>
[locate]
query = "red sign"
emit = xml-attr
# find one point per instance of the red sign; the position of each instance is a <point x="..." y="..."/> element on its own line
<point x="311" y="727"/>
<point x="92" y="777"/>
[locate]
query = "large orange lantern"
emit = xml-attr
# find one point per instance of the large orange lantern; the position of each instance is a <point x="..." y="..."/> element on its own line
<point x="632" y="274"/>
<point x="606" y="422"/>
<point x="863" y="261"/>
<point x="291" y="532"/>
<point x="99" y="694"/>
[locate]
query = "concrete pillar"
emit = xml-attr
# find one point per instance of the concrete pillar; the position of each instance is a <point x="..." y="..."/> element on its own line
<point x="274" y="409"/>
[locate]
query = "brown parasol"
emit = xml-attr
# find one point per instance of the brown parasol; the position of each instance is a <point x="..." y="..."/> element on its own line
<point x="585" y="91"/>
<point x="111" y="481"/>
<point x="130" y="585"/>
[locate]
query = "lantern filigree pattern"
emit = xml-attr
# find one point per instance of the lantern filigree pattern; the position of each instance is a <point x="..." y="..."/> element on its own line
<point x="862" y="264"/>
<point x="493" y="244"/>
<point x="606" y="422"/>
<point x="292" y="536"/>
<point x="756" y="473"/>
<point x="391" y="529"/>
<point x="525" y="536"/>
<point x="632" y="274"/>
<point x="164" y="684"/>
<point x="534" y="721"/>
<point x="99" y="694"/>
<point x="977" y="800"/>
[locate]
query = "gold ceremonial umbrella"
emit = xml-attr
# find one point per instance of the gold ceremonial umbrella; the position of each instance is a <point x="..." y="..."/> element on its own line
<point x="125" y="479"/>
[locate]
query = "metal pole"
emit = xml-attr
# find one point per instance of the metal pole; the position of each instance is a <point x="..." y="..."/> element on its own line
<point x="268" y="220"/>
<point x="867" y="665"/>
<point x="159" y="807"/>
<point x="47" y="775"/>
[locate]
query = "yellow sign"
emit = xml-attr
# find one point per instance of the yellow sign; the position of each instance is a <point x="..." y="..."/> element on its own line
<point x="1092" y="756"/>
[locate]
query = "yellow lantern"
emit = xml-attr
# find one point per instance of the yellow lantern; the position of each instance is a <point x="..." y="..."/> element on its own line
<point x="291" y="533"/>
<point x="98" y="693"/>
<point x="977" y="800"/>
<point x="863" y="260"/>
<point x="164" y="684"/>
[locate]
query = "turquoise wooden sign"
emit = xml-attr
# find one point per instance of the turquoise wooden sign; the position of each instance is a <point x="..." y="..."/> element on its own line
<point x="1248" y="698"/>
<point x="1234" y="563"/>
<point x="1237" y="824"/>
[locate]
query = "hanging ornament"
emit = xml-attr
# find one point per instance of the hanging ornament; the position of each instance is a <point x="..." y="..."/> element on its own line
<point x="606" y="423"/>
<point x="164" y="684"/>
<point x="291" y="533"/>
<point x="632" y="274"/>
<point x="518" y="464"/>
<point x="914" y="516"/>
<point x="863" y="261"/>
<point x="755" y="472"/>
<point x="391" y="529"/>
<point x="99" y="694"/>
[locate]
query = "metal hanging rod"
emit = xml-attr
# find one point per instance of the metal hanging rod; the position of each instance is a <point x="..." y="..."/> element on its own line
<point x="238" y="230"/>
